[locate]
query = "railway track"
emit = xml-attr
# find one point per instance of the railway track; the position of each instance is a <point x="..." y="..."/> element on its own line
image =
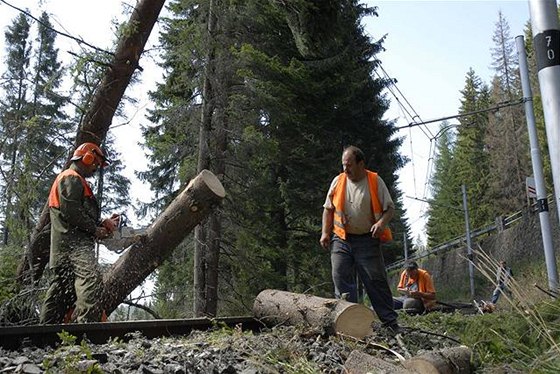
<point x="14" y="337"/>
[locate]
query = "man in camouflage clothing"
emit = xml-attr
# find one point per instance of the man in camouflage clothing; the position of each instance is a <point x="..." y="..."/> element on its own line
<point x="75" y="225"/>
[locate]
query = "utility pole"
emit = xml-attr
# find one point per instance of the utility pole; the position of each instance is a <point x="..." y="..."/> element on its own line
<point x="405" y="246"/>
<point x="469" y="243"/>
<point x="536" y="162"/>
<point x="546" y="39"/>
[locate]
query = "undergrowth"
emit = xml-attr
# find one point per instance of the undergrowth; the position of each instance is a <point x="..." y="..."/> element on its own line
<point x="522" y="336"/>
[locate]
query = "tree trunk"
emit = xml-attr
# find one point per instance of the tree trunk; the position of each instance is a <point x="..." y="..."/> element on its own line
<point x="185" y="212"/>
<point x="98" y="119"/>
<point x="327" y="316"/>
<point x="455" y="360"/>
<point x="204" y="235"/>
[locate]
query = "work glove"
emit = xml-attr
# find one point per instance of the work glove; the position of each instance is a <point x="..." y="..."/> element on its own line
<point x="102" y="233"/>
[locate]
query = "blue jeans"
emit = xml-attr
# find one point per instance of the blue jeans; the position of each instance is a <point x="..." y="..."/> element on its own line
<point x="361" y="254"/>
<point x="497" y="292"/>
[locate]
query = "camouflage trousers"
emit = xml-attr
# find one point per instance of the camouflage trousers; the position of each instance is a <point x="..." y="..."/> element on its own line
<point x="76" y="280"/>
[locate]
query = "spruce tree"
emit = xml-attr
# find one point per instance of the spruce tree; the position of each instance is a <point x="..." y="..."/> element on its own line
<point x="444" y="216"/>
<point x="15" y="114"/>
<point x="507" y="137"/>
<point x="288" y="118"/>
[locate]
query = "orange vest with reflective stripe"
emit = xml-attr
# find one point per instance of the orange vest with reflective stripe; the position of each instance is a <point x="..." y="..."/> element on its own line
<point x="339" y="201"/>
<point x="54" y="199"/>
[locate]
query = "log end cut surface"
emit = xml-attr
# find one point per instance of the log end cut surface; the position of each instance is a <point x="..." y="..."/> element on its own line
<point x="355" y="320"/>
<point x="213" y="183"/>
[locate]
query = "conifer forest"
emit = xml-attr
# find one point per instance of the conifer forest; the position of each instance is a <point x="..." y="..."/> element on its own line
<point x="265" y="94"/>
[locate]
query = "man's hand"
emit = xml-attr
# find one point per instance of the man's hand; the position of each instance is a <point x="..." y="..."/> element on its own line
<point x="415" y="294"/>
<point x="325" y="241"/>
<point x="112" y="223"/>
<point x="377" y="229"/>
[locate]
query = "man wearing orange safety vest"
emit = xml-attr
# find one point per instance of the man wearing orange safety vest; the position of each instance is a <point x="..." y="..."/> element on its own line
<point x="355" y="217"/>
<point x="417" y="287"/>
<point x="75" y="225"/>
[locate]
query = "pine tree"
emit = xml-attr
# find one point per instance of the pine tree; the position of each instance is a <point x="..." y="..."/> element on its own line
<point x="507" y="137"/>
<point x="466" y="164"/>
<point x="471" y="154"/>
<point x="14" y="120"/>
<point x="444" y="222"/>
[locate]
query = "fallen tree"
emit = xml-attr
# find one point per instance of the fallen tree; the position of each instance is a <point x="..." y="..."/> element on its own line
<point x="185" y="212"/>
<point x="326" y="316"/>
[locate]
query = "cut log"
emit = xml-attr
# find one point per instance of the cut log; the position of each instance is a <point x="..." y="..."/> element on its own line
<point x="361" y="363"/>
<point x="327" y="316"/>
<point x="455" y="360"/>
<point x="185" y="212"/>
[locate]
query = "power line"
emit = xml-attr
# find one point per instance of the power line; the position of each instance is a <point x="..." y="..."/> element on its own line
<point x="416" y="115"/>
<point x="497" y="107"/>
<point x="78" y="40"/>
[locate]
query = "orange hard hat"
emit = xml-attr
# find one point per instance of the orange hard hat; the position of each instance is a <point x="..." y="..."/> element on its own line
<point x="90" y="153"/>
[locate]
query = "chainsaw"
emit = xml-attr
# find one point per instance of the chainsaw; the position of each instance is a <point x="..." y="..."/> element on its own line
<point x="124" y="236"/>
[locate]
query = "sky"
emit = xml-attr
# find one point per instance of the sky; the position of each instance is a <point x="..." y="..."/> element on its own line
<point x="429" y="47"/>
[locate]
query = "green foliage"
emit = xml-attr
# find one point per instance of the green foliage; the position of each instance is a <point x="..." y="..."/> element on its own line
<point x="9" y="257"/>
<point x="500" y="338"/>
<point x="70" y="357"/>
<point x="279" y="122"/>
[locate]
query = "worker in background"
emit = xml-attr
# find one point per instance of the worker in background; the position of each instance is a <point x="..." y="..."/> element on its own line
<point x="75" y="226"/>
<point x="503" y="277"/>
<point x="417" y="288"/>
<point x="356" y="213"/>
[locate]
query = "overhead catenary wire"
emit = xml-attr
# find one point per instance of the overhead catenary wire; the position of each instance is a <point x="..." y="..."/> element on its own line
<point x="409" y="113"/>
<point x="501" y="105"/>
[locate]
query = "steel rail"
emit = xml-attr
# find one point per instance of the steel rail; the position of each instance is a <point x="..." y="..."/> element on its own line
<point x="14" y="337"/>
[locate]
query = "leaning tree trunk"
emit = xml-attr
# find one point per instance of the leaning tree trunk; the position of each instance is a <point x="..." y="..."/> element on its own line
<point x="185" y="212"/>
<point x="98" y="118"/>
<point x="327" y="316"/>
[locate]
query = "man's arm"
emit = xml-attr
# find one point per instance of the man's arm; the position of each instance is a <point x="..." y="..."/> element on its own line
<point x="327" y="226"/>
<point x="429" y="291"/>
<point x="402" y="287"/>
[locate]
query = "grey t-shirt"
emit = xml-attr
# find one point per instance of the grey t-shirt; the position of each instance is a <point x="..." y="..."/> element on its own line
<point x="358" y="212"/>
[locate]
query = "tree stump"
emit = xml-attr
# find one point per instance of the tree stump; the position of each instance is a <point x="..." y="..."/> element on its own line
<point x="327" y="316"/>
<point x="455" y="360"/>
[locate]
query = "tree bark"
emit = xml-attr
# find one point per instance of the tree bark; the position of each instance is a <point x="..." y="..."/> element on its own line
<point x="185" y="212"/>
<point x="205" y="235"/>
<point x="327" y="316"/>
<point x="98" y="119"/>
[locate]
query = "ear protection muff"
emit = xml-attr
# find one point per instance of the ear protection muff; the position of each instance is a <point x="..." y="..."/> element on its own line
<point x="90" y="153"/>
<point x="88" y="158"/>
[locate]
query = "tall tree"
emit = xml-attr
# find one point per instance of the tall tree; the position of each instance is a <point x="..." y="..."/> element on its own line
<point x="471" y="154"/>
<point x="467" y="164"/>
<point x="15" y="114"/>
<point x="443" y="219"/>
<point x="288" y="113"/>
<point x="507" y="137"/>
